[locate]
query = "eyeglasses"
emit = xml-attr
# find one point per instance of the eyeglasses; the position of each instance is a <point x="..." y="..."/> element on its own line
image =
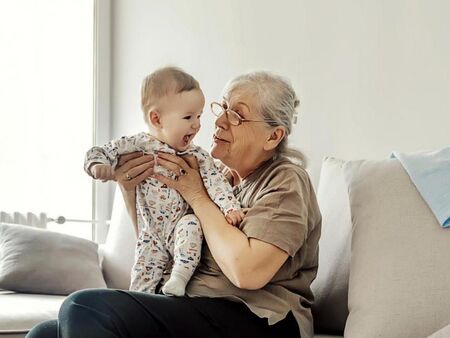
<point x="234" y="118"/>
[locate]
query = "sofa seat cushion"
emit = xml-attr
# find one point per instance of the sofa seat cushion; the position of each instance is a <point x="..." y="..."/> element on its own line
<point x="19" y="312"/>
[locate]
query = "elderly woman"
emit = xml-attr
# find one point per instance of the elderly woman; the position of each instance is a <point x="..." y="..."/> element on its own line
<point x="253" y="280"/>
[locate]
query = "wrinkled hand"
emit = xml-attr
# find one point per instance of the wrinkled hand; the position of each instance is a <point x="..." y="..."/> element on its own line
<point x="187" y="180"/>
<point x="103" y="172"/>
<point x="235" y="217"/>
<point x="133" y="169"/>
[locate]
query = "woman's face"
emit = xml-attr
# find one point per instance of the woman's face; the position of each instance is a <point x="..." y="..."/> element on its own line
<point x="240" y="146"/>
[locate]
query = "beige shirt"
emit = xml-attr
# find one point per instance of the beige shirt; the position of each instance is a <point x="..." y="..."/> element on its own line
<point x="283" y="212"/>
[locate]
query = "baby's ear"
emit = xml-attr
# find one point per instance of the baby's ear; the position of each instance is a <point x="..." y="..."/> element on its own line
<point x="154" y="118"/>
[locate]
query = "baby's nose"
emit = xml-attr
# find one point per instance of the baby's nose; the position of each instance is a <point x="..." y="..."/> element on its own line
<point x="196" y="124"/>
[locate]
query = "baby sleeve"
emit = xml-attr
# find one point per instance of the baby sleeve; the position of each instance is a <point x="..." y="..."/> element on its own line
<point x="216" y="184"/>
<point x="109" y="153"/>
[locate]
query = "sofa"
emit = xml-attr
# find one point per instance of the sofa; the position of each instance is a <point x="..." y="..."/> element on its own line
<point x="383" y="264"/>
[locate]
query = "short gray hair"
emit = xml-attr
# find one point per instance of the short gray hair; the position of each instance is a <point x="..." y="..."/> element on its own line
<point x="276" y="101"/>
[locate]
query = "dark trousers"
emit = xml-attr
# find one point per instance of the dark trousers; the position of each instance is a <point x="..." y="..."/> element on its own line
<point x="101" y="313"/>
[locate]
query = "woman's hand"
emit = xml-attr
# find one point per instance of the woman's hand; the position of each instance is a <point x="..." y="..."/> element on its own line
<point x="187" y="180"/>
<point x="132" y="169"/>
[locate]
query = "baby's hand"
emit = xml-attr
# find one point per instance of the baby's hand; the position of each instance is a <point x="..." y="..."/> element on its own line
<point x="235" y="217"/>
<point x="103" y="172"/>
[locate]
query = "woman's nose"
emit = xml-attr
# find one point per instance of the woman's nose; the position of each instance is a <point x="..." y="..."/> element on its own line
<point x="222" y="121"/>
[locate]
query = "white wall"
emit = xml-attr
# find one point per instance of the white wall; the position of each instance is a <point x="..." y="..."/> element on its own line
<point x="372" y="76"/>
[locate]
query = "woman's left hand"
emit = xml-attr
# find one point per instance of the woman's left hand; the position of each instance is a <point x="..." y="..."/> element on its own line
<point x="187" y="180"/>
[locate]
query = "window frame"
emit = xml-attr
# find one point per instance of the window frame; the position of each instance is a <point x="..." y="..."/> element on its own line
<point x="101" y="193"/>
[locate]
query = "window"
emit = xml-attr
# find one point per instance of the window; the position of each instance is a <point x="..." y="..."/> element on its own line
<point x="46" y="109"/>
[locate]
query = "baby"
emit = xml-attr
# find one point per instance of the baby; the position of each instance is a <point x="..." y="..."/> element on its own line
<point x="172" y="102"/>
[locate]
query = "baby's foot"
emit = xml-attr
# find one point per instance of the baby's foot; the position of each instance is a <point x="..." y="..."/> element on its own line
<point x="175" y="286"/>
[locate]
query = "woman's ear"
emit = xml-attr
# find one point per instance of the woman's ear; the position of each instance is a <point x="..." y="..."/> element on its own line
<point x="154" y="119"/>
<point x="276" y="136"/>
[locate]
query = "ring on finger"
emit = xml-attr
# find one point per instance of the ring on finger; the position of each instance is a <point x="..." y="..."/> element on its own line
<point x="182" y="172"/>
<point x="127" y="175"/>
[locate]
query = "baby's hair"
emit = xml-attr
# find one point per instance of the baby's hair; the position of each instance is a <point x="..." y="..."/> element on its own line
<point x="162" y="82"/>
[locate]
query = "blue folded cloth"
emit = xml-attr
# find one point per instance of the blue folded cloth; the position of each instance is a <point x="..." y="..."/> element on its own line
<point x="430" y="173"/>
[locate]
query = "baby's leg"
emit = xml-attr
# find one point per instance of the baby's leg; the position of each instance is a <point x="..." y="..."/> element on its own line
<point x="150" y="261"/>
<point x="187" y="246"/>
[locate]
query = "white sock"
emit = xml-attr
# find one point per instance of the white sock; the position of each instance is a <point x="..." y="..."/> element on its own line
<point x="176" y="285"/>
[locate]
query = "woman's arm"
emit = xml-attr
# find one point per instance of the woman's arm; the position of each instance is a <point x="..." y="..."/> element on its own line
<point x="138" y="167"/>
<point x="247" y="263"/>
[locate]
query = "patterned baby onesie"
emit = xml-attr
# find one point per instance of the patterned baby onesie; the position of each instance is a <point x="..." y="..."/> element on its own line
<point x="167" y="229"/>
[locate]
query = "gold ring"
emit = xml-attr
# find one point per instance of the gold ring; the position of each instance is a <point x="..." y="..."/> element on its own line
<point x="127" y="175"/>
<point x="182" y="172"/>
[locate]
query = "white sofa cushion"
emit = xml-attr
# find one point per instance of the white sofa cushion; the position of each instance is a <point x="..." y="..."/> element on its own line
<point x="400" y="272"/>
<point x="19" y="312"/>
<point x="118" y="251"/>
<point x="331" y="285"/>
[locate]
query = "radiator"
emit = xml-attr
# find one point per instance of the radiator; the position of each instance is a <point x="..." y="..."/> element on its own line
<point x="37" y="220"/>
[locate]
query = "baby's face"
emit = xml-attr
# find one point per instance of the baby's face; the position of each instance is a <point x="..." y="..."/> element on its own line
<point x="180" y="118"/>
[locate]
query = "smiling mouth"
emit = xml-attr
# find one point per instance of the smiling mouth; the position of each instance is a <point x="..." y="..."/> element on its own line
<point x="215" y="138"/>
<point x="188" y="138"/>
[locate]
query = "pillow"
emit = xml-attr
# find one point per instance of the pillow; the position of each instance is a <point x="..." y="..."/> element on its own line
<point x="442" y="333"/>
<point x="400" y="270"/>
<point x="118" y="251"/>
<point x="331" y="284"/>
<point x="41" y="261"/>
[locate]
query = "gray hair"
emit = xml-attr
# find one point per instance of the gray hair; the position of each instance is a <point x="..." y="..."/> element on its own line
<point x="276" y="101"/>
